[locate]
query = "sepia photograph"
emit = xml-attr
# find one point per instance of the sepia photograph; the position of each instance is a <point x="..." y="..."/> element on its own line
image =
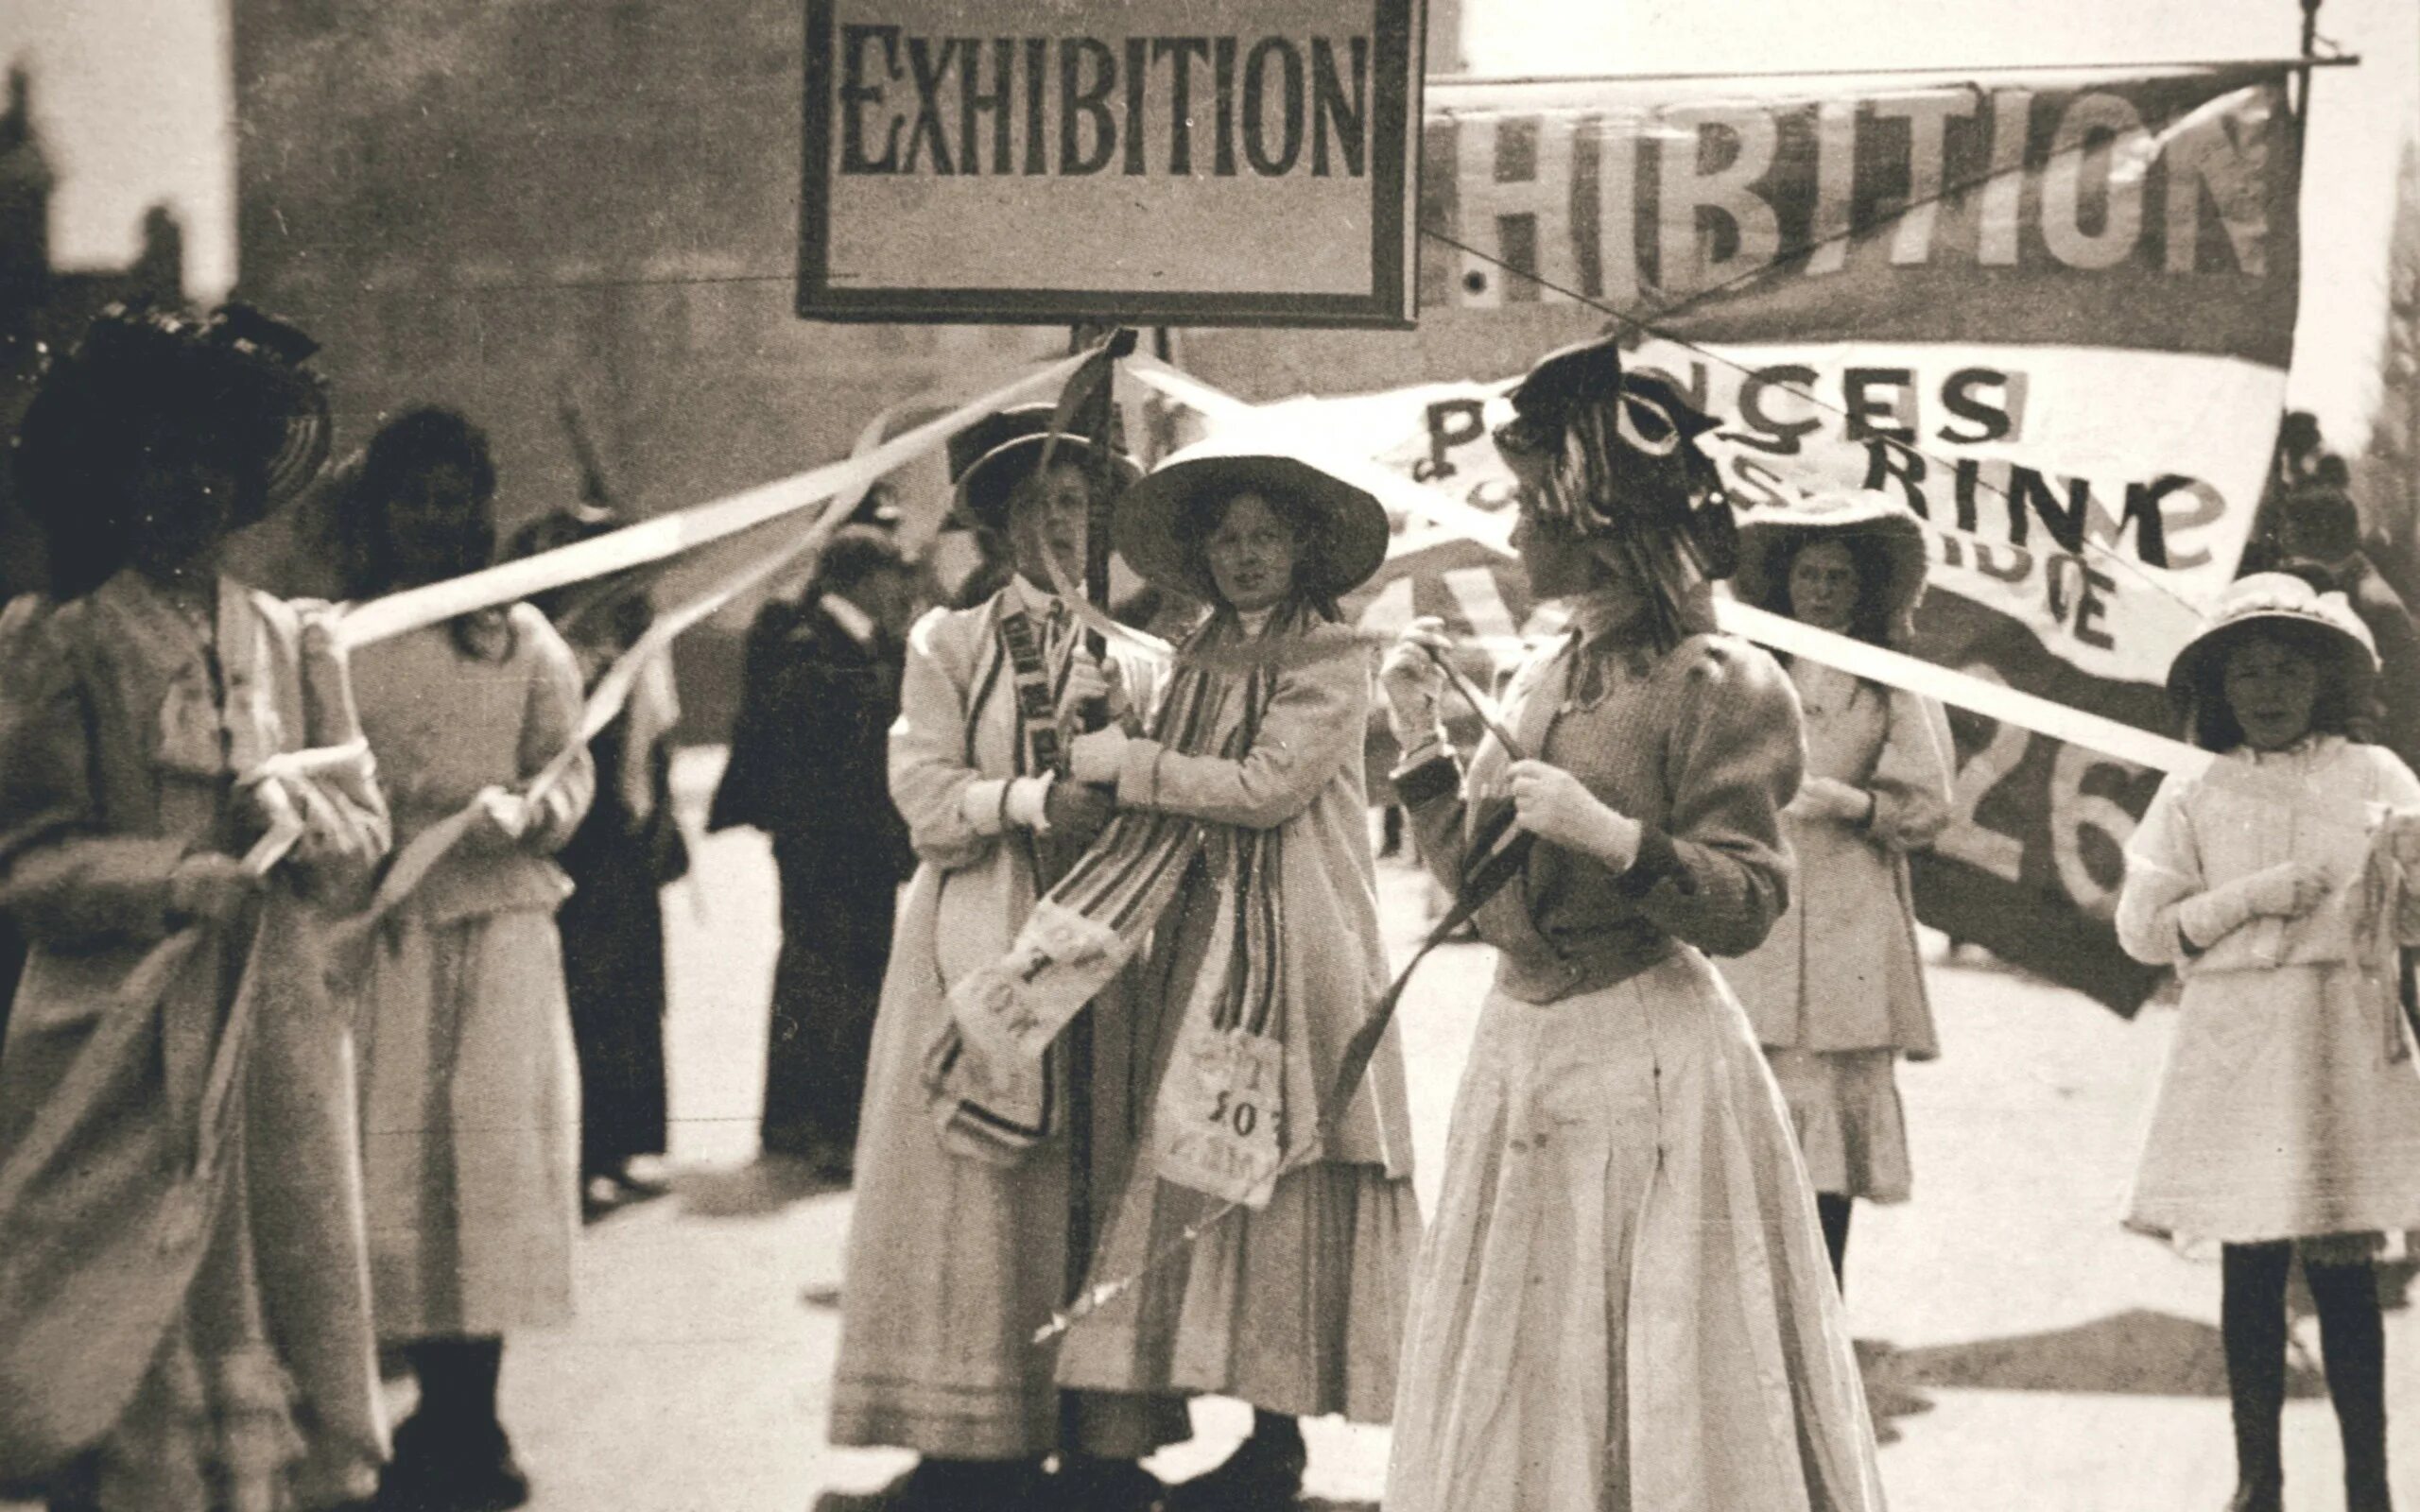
<point x="1209" y="756"/>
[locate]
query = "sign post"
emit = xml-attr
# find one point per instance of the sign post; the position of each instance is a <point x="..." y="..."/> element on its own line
<point x="1107" y="164"/>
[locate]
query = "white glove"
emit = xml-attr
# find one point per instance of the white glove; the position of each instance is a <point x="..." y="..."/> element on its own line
<point x="1557" y="807"/>
<point x="2287" y="891"/>
<point x="1414" y="682"/>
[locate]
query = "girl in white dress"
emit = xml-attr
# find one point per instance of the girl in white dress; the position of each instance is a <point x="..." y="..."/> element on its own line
<point x="2288" y="1118"/>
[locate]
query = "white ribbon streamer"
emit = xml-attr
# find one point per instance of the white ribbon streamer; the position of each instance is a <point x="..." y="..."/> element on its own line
<point x="668" y="535"/>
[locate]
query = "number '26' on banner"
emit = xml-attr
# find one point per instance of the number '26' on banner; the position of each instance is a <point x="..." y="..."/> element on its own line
<point x="1178" y="161"/>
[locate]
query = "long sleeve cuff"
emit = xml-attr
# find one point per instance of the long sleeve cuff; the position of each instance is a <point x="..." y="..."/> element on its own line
<point x="993" y="804"/>
<point x="1138" y="773"/>
<point x="2202" y="920"/>
<point x="1028" y="801"/>
<point x="1657" y="860"/>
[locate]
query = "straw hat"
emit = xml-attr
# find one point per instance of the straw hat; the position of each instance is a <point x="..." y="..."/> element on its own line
<point x="1348" y="544"/>
<point x="2271" y="598"/>
<point x="989" y="459"/>
<point x="1770" y="539"/>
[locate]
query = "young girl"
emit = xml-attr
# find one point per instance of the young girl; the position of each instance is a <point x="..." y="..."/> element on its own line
<point x="1837" y="990"/>
<point x="470" y="1093"/>
<point x="2288" y="1120"/>
<point x="1296" y="1308"/>
<point x="185" y="1313"/>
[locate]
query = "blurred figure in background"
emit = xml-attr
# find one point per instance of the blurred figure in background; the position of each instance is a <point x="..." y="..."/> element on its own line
<point x="624" y="854"/>
<point x="808" y="767"/>
<point x="470" y="1095"/>
<point x="2319" y="527"/>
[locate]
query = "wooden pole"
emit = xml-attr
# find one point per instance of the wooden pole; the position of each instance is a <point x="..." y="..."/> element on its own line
<point x="1096" y="418"/>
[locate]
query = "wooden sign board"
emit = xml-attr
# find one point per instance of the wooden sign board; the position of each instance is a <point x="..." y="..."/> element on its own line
<point x="1172" y="162"/>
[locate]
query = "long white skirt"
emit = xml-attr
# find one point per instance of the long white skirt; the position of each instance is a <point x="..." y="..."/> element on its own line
<point x="1625" y="1304"/>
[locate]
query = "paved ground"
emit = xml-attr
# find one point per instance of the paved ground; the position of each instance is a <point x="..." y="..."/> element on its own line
<point x="2033" y="1356"/>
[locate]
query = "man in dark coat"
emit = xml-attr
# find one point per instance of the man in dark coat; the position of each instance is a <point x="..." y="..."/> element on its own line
<point x="808" y="759"/>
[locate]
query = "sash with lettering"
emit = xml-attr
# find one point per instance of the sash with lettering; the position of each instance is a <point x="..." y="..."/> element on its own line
<point x="993" y="1058"/>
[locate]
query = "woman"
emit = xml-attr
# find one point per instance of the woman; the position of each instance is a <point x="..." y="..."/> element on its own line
<point x="1297" y="1307"/>
<point x="470" y="1101"/>
<point x="2279" y="885"/>
<point x="958" y="1246"/>
<point x="184" y="1308"/>
<point x="1837" y="991"/>
<point x="1623" y="1301"/>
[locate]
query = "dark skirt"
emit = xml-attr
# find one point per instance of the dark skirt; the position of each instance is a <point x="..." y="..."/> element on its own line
<point x="613" y="933"/>
<point x="837" y="918"/>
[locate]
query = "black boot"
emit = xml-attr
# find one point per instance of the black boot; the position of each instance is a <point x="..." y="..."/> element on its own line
<point x="2252" y="1321"/>
<point x="966" y="1486"/>
<point x="1087" y="1482"/>
<point x="2352" y="1341"/>
<point x="1266" y="1470"/>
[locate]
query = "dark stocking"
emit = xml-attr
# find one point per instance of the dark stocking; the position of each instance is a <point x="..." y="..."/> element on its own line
<point x="457" y="1379"/>
<point x="1834" y="1207"/>
<point x="2352" y="1343"/>
<point x="2252" y="1321"/>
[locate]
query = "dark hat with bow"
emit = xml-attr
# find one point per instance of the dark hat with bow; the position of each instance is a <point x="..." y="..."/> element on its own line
<point x="1607" y="453"/>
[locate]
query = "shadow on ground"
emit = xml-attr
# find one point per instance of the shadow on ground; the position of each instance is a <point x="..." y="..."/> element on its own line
<point x="2139" y="1352"/>
<point x="879" y="1501"/>
<point x="754" y="1191"/>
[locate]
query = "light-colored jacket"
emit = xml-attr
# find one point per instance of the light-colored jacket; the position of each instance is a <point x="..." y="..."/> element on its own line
<point x="1839" y="971"/>
<point x="1304" y="774"/>
<point x="2317" y="803"/>
<point x="954" y="1262"/>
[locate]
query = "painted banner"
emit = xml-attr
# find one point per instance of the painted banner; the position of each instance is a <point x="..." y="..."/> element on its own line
<point x="2053" y="316"/>
<point x="1199" y="160"/>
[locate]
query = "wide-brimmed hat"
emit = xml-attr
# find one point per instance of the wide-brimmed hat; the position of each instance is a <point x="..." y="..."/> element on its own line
<point x="2272" y="599"/>
<point x="1347" y="543"/>
<point x="234" y="378"/>
<point x="1771" y="538"/>
<point x="989" y="459"/>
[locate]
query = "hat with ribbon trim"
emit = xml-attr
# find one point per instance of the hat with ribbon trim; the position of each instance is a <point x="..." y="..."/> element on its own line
<point x="1607" y="453"/>
<point x="2273" y="600"/>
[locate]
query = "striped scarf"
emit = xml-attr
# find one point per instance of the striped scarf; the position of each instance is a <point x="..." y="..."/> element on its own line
<point x="989" y="1073"/>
